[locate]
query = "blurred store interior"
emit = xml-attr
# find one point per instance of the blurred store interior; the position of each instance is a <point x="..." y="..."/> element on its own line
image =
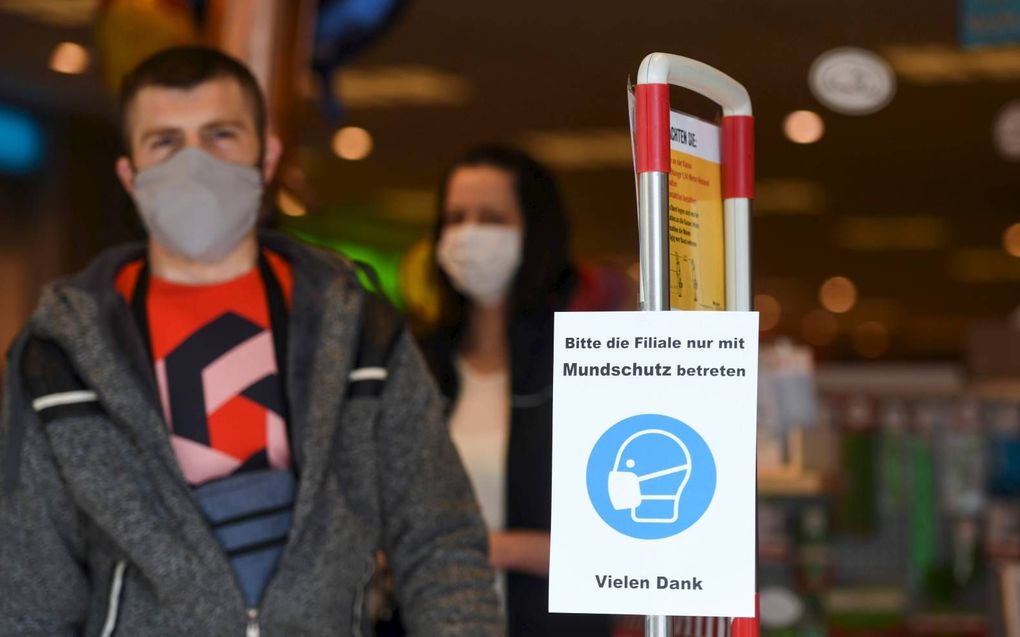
<point x="886" y="244"/>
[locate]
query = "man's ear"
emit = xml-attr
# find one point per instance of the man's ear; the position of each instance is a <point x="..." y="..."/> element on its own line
<point x="125" y="173"/>
<point x="274" y="150"/>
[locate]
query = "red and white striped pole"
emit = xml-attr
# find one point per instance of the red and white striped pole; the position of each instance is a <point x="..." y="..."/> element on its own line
<point x="652" y="155"/>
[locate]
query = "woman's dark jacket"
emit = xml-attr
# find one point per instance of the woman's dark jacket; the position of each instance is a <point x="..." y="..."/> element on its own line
<point x="529" y="464"/>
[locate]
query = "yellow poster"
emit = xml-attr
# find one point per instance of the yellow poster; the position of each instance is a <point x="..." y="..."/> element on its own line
<point x="697" y="276"/>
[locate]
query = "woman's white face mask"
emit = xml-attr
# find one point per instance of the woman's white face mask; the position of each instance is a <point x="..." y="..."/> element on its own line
<point x="480" y="259"/>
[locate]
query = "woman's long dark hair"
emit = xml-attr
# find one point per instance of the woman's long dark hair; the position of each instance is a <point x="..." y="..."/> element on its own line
<point x="545" y="271"/>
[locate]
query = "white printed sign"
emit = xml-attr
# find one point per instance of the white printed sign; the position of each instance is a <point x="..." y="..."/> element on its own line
<point x="653" y="501"/>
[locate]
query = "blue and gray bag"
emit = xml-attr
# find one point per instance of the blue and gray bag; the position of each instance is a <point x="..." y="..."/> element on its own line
<point x="250" y="514"/>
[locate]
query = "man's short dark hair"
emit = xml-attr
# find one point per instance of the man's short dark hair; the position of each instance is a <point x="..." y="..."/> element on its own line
<point x="185" y="67"/>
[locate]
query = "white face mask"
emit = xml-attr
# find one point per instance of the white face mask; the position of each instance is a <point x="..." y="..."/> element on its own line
<point x="481" y="260"/>
<point x="198" y="206"/>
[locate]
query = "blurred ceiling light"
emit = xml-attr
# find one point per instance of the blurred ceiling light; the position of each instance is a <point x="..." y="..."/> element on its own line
<point x="769" y="311"/>
<point x="1011" y="240"/>
<point x="803" y="127"/>
<point x="1006" y="131"/>
<point x="70" y="58"/>
<point x="984" y="265"/>
<point x="891" y="233"/>
<point x="62" y="13"/>
<point x="352" y="143"/>
<point x="789" y="197"/>
<point x="22" y="142"/>
<point x="871" y="339"/>
<point x="838" y="294"/>
<point x="944" y="64"/>
<point x="391" y="86"/>
<point x="582" y="149"/>
<point x="819" y="328"/>
<point x="289" y="204"/>
<point x="852" y="81"/>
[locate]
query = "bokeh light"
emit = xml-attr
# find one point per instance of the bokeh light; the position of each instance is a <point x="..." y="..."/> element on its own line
<point x="803" y="127"/>
<point x="70" y="58"/>
<point x="1011" y="240"/>
<point x="838" y="294"/>
<point x="352" y="143"/>
<point x="289" y="204"/>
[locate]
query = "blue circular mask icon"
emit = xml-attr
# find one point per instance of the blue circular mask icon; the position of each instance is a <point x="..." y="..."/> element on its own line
<point x="651" y="476"/>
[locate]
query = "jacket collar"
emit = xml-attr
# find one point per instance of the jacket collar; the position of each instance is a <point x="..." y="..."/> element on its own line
<point x="322" y="332"/>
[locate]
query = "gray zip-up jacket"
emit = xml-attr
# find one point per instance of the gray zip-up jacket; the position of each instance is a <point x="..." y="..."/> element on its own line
<point x="100" y="534"/>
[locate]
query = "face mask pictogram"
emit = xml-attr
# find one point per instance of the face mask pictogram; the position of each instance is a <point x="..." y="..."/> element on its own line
<point x="639" y="477"/>
<point x="650" y="476"/>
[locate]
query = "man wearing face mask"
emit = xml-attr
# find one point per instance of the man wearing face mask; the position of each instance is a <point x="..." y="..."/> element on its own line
<point x="214" y="433"/>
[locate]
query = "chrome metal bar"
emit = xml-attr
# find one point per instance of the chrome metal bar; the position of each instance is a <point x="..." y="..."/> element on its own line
<point x="653" y="235"/>
<point x="658" y="626"/>
<point x="737" y="224"/>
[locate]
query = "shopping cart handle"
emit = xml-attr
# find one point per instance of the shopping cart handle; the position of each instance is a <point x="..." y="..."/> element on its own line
<point x="666" y="68"/>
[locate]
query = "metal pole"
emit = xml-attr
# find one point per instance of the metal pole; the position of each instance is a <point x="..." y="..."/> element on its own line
<point x="653" y="233"/>
<point x="654" y="240"/>
<point x="737" y="215"/>
<point x="737" y="224"/>
<point x="658" y="626"/>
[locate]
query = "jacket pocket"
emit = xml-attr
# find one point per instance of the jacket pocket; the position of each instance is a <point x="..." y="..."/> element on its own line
<point x="113" y="599"/>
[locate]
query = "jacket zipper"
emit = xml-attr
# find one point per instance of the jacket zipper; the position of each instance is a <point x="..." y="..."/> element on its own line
<point x="113" y="603"/>
<point x="359" y="598"/>
<point x="359" y="602"/>
<point x="253" y="624"/>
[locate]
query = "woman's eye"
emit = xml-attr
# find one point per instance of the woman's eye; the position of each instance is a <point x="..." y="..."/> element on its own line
<point x="493" y="218"/>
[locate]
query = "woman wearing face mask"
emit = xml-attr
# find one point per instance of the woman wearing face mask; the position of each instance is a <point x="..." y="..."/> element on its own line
<point x="503" y="269"/>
